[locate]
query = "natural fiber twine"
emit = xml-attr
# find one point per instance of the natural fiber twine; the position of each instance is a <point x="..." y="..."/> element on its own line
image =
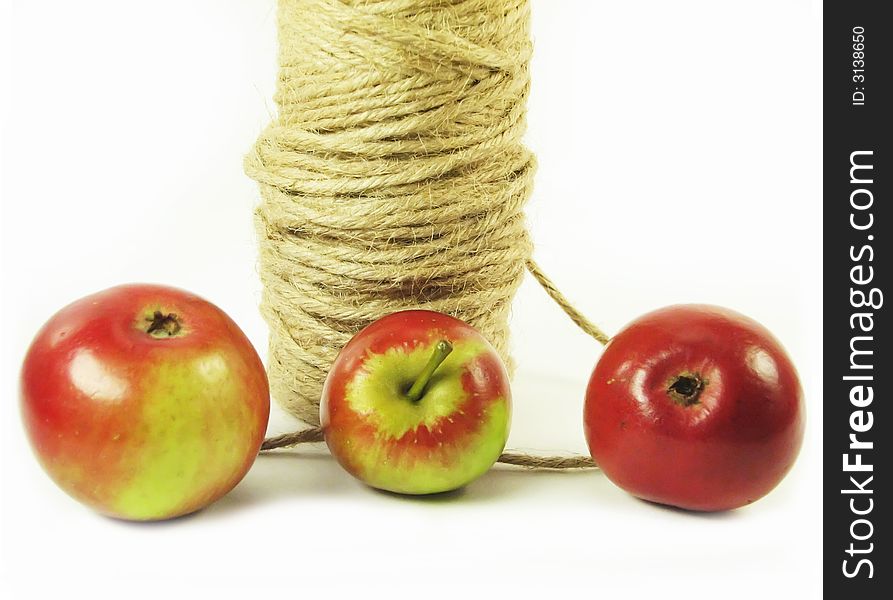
<point x="394" y="177"/>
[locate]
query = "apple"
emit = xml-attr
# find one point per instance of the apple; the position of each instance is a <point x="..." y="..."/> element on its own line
<point x="144" y="402"/>
<point x="695" y="406"/>
<point x="418" y="402"/>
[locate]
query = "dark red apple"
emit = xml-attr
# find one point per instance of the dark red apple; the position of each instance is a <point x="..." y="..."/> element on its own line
<point x="695" y="406"/>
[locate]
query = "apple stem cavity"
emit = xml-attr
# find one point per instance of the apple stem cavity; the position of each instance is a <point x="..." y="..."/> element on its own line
<point x="441" y="351"/>
<point x="163" y="325"/>
<point x="686" y="388"/>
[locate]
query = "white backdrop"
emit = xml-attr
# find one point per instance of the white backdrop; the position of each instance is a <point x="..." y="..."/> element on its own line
<point x="680" y="154"/>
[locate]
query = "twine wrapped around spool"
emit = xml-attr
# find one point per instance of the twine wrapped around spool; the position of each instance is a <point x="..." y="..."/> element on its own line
<point x="394" y="177"/>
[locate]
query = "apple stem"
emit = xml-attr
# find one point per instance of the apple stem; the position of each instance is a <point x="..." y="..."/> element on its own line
<point x="441" y="351"/>
<point x="686" y="388"/>
<point x="162" y="325"/>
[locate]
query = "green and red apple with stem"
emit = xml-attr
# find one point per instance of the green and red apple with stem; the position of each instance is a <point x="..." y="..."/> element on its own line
<point x="418" y="402"/>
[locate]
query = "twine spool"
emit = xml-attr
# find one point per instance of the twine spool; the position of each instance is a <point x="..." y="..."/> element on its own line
<point x="394" y="177"/>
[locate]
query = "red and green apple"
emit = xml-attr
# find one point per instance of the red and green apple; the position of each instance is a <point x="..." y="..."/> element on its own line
<point x="144" y="402"/>
<point x="418" y="402"/>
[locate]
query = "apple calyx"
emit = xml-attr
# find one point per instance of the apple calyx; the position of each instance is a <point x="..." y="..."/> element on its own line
<point x="685" y="388"/>
<point x="161" y="326"/>
<point x="441" y="350"/>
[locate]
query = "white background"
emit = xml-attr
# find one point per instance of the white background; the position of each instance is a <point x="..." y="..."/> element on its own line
<point x="679" y="147"/>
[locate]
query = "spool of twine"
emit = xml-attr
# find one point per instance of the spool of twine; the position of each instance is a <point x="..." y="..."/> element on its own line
<point x="393" y="177"/>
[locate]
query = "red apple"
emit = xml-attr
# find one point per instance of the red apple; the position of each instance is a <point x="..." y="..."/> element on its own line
<point x="418" y="402"/>
<point x="144" y="402"/>
<point x="695" y="406"/>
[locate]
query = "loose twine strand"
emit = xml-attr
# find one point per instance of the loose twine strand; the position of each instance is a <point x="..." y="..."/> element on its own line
<point x="393" y="177"/>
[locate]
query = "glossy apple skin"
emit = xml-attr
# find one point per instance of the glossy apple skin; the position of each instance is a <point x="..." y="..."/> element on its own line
<point x="451" y="436"/>
<point x="728" y="449"/>
<point x="139" y="427"/>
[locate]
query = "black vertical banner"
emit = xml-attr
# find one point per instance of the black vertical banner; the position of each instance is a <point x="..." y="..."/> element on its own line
<point x="858" y="371"/>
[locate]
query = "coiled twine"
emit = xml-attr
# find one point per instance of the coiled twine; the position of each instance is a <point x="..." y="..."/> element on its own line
<point x="394" y="176"/>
